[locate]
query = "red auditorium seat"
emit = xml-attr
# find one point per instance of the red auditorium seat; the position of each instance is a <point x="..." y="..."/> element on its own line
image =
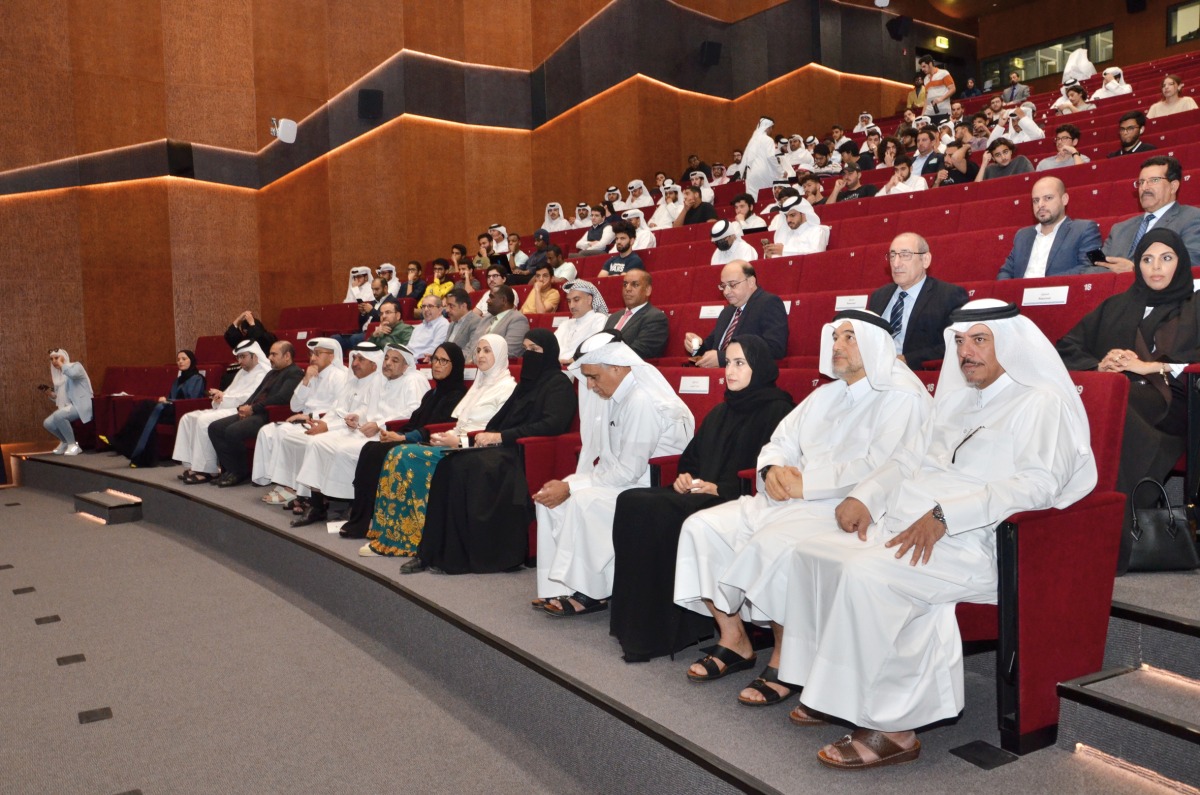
<point x="111" y="410"/>
<point x="1084" y="293"/>
<point x="845" y="267"/>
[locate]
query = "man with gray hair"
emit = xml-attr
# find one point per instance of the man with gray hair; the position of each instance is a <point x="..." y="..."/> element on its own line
<point x="431" y="331"/>
<point x="588" y="313"/>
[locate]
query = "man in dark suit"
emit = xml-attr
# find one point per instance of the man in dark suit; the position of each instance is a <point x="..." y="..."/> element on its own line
<point x="927" y="159"/>
<point x="229" y="434"/>
<point x="750" y="311"/>
<point x="1056" y="245"/>
<point x="1158" y="188"/>
<point x="1016" y="90"/>
<point x="643" y="326"/>
<point x="916" y="305"/>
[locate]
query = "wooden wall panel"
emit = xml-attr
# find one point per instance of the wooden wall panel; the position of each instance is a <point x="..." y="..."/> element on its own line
<point x="1136" y="37"/>
<point x="294" y="243"/>
<point x="443" y="33"/>
<point x="367" y="201"/>
<point x="115" y="110"/>
<point x="445" y="203"/>
<point x="558" y="163"/>
<point x="28" y="134"/>
<point x="362" y="35"/>
<point x="214" y="256"/>
<point x="122" y="38"/>
<point x="43" y="303"/>
<point x="505" y="156"/>
<point x="291" y="50"/>
<point x="502" y="29"/>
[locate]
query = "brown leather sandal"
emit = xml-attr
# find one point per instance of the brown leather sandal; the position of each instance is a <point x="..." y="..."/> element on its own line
<point x="889" y="752"/>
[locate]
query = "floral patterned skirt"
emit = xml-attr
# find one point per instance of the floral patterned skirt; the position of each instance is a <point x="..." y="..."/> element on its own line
<point x="401" y="499"/>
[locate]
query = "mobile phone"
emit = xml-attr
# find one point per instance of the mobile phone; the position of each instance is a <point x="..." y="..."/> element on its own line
<point x="1097" y="256"/>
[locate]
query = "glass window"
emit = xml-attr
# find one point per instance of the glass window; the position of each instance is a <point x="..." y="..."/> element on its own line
<point x="1183" y="23"/>
<point x="1051" y="58"/>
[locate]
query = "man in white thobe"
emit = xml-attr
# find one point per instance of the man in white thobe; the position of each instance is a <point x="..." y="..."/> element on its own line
<point x="329" y="463"/>
<point x="638" y="195"/>
<point x="731" y="557"/>
<point x="669" y="207"/>
<point x="315" y="395"/>
<point x="801" y="232"/>
<point x="643" y="237"/>
<point x="193" y="448"/>
<point x="553" y="220"/>
<point x="727" y="239"/>
<point x="588" y="314"/>
<point x="628" y="415"/>
<point x="872" y="634"/>
<point x="761" y="162"/>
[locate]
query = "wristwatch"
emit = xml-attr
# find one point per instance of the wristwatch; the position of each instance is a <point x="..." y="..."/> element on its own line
<point x="939" y="514"/>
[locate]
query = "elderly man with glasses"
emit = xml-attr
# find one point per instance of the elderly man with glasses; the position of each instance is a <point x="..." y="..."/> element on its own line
<point x="916" y="305"/>
<point x="1157" y="189"/>
<point x="749" y="311"/>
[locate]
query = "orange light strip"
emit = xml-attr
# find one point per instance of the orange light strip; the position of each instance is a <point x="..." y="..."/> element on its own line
<point x="91" y="517"/>
<point x="1096" y="755"/>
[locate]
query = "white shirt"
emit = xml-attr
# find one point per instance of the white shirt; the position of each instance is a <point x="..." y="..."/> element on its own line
<point x="808" y="239"/>
<point x="739" y="250"/>
<point x="910" y="300"/>
<point x="606" y="239"/>
<point x="566" y="271"/>
<point x="914" y="183"/>
<point x="573" y="331"/>
<point x="319" y="395"/>
<point x="1042" y="243"/>
<point x="427" y="335"/>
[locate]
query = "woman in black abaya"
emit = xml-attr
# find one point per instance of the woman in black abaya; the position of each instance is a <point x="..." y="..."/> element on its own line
<point x="646" y="528"/>
<point x="478" y="513"/>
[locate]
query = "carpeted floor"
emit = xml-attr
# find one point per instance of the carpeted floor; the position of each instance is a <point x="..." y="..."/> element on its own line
<point x="236" y="680"/>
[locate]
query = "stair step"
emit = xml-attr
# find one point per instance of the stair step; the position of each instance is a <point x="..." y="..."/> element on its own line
<point x="1141" y="715"/>
<point x="1140" y="635"/>
<point x="109" y="506"/>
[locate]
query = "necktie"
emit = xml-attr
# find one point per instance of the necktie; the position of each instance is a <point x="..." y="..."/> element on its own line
<point x="624" y="319"/>
<point x="897" y="317"/>
<point x="733" y="324"/>
<point x="1142" y="227"/>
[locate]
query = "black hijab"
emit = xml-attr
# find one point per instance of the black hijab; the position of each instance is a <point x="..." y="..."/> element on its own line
<point x="438" y="403"/>
<point x="733" y="433"/>
<point x="185" y="375"/>
<point x="1164" y="304"/>
<point x="535" y="365"/>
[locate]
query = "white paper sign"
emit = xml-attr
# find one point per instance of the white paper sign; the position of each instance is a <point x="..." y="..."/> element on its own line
<point x="469" y="373"/>
<point x="710" y="312"/>
<point x="850" y="302"/>
<point x="558" y="321"/>
<point x="693" y="385"/>
<point x="301" y="335"/>
<point x="1045" y="296"/>
<point x="787" y="307"/>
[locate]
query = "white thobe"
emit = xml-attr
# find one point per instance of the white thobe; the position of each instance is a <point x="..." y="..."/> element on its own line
<point x="836" y="437"/>
<point x="873" y="639"/>
<point x="666" y="214"/>
<point x="559" y="224"/>
<point x="315" y="398"/>
<point x="574" y="331"/>
<point x="739" y="250"/>
<point x="427" y="335"/>
<point x="574" y="543"/>
<point x="330" y="461"/>
<point x="286" y="460"/>
<point x="192" y="445"/>
<point x="914" y="183"/>
<point x="806" y="239"/>
<point x="761" y="163"/>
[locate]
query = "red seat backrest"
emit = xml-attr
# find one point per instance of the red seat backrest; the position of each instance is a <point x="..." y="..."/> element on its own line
<point x="1084" y="293"/>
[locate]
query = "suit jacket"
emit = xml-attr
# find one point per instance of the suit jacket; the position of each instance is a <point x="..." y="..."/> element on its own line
<point x="1068" y="253"/>
<point x="462" y="333"/>
<point x="1021" y="95"/>
<point x="934" y="164"/>
<point x="763" y="316"/>
<point x="923" y="341"/>
<point x="1181" y="218"/>
<point x="513" y="327"/>
<point x="646" y="331"/>
<point x="275" y="389"/>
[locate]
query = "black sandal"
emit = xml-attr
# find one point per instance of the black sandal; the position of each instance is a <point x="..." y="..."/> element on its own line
<point x="568" y="610"/>
<point x="197" y="478"/>
<point x="762" y="685"/>
<point x="733" y="662"/>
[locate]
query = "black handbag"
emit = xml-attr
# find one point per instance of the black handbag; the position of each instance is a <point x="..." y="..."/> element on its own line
<point x="1163" y="538"/>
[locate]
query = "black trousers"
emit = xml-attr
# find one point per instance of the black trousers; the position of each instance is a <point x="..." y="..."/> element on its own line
<point x="229" y="435"/>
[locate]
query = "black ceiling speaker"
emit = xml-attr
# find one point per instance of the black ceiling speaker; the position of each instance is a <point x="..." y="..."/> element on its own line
<point x="710" y="53"/>
<point x="370" y="103"/>
<point x="1135" y="6"/>
<point x="898" y="27"/>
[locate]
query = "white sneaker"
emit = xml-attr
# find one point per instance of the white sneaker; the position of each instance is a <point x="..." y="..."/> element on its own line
<point x="73" y="449"/>
<point x="62" y="448"/>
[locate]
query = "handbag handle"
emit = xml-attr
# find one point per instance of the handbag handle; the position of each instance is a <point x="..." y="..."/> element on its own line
<point x="1164" y="501"/>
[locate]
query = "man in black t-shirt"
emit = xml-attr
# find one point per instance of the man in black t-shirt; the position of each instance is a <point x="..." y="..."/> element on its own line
<point x="850" y="186"/>
<point x="695" y="210"/>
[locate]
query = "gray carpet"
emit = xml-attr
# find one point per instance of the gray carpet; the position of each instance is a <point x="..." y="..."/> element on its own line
<point x="1165" y="694"/>
<point x="706" y="718"/>
<point x="1173" y="592"/>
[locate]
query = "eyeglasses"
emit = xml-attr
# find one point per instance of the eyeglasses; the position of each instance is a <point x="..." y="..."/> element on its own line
<point x="1064" y="137"/>
<point x="723" y="286"/>
<point x="439" y="360"/>
<point x="1129" y="127"/>
<point x="904" y="256"/>
<point x="1139" y="183"/>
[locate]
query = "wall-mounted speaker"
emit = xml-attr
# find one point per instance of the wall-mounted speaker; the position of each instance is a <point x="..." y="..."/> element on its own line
<point x="370" y="103"/>
<point x="710" y="53"/>
<point x="898" y="27"/>
<point x="1135" y="6"/>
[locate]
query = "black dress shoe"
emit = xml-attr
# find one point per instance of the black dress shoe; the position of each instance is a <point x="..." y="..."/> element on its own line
<point x="311" y="516"/>
<point x="413" y="566"/>
<point x="231" y="479"/>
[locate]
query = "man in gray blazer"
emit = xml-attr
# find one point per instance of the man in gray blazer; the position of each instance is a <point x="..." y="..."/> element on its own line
<point x="463" y="322"/>
<point x="1056" y="245"/>
<point x="504" y="320"/>
<point x="1016" y="91"/>
<point x="1158" y="187"/>
<point x="643" y="326"/>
